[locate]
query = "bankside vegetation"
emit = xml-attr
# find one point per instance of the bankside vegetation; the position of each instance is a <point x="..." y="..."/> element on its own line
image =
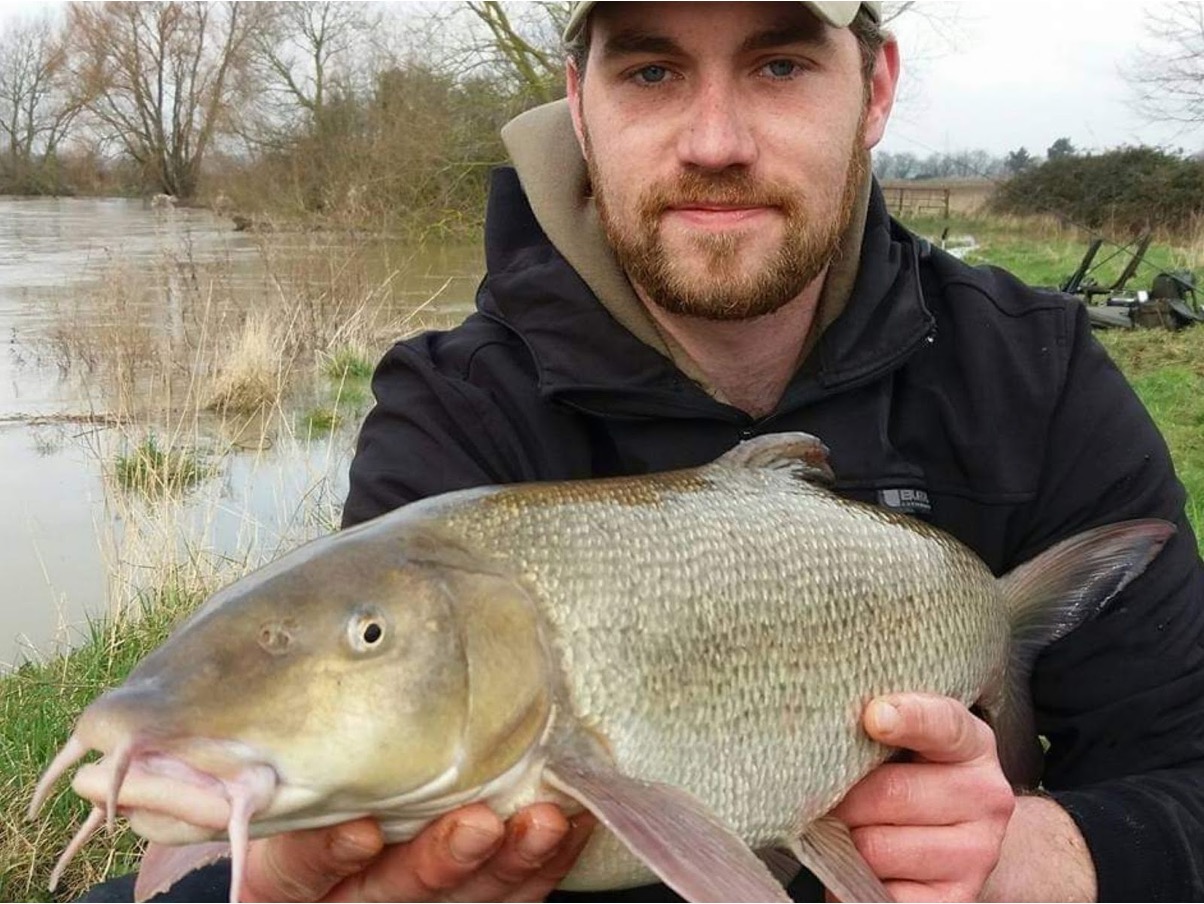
<point x="377" y="117"/>
<point x="1125" y="191"/>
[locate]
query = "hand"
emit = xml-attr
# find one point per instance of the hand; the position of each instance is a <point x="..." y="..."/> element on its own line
<point x="466" y="855"/>
<point x="931" y="828"/>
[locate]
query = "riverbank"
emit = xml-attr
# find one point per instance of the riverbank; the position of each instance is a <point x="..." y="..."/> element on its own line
<point x="40" y="699"/>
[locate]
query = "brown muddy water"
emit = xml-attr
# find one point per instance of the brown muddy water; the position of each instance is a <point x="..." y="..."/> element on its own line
<point x="106" y="311"/>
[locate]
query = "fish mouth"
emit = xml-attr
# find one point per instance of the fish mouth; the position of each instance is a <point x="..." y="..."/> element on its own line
<point x="164" y="796"/>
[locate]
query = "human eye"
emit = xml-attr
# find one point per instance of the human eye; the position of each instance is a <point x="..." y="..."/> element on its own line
<point x="782" y="69"/>
<point x="650" y="75"/>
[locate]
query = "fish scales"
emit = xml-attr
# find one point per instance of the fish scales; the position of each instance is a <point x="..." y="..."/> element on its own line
<point x="744" y="598"/>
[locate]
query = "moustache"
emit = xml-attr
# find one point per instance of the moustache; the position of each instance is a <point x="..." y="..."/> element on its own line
<point x="732" y="189"/>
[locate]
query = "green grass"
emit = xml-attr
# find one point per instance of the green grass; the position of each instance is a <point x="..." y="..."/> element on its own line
<point x="353" y="394"/>
<point x="39" y="703"/>
<point x="320" y="421"/>
<point x="348" y="364"/>
<point x="1042" y="253"/>
<point x="347" y="393"/>
<point x="154" y="469"/>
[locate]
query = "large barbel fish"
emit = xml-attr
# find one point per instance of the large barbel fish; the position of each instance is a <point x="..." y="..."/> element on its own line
<point x="686" y="654"/>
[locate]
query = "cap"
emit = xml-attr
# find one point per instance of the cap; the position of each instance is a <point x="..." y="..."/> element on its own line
<point x="837" y="13"/>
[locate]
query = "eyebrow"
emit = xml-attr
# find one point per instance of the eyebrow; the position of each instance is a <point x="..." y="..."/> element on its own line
<point x="627" y="43"/>
<point x="633" y="42"/>
<point x="784" y="35"/>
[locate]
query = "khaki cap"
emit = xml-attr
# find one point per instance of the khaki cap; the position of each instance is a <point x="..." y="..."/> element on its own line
<point x="837" y="13"/>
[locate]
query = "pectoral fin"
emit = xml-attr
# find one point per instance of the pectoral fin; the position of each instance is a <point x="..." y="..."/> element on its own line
<point x="163" y="865"/>
<point x="674" y="833"/>
<point x="827" y="849"/>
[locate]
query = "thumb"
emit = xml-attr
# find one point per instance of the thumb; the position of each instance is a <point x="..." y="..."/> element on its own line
<point x="306" y="865"/>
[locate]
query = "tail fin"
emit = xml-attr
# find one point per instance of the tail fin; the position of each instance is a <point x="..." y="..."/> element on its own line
<point x="1048" y="597"/>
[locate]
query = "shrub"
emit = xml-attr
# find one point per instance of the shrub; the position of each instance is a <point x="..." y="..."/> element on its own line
<point x="1129" y="190"/>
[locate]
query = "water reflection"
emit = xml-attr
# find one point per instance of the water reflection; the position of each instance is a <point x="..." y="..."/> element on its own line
<point x="113" y="318"/>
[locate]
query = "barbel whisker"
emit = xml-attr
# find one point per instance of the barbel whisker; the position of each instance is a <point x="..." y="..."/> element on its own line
<point x="123" y="757"/>
<point x="86" y="831"/>
<point x="72" y="752"/>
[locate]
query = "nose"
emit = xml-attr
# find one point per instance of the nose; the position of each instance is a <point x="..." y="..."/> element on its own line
<point x="717" y="133"/>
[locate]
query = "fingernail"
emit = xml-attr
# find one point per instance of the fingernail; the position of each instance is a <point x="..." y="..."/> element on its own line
<point x="470" y="843"/>
<point x="885" y="717"/>
<point x="351" y="846"/>
<point x="539" y="841"/>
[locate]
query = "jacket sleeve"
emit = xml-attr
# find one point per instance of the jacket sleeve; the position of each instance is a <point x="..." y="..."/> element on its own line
<point x="431" y="431"/>
<point x="1121" y="699"/>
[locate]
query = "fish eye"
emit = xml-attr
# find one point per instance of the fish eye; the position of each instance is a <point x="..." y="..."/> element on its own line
<point x="366" y="631"/>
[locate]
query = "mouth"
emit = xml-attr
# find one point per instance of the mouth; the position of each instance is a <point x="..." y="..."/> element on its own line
<point x="717" y="217"/>
<point x="165" y="797"/>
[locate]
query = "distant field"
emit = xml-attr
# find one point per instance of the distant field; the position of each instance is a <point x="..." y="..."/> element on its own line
<point x="934" y="197"/>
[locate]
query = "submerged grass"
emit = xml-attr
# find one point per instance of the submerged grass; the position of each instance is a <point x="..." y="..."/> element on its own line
<point x="152" y="469"/>
<point x="314" y="331"/>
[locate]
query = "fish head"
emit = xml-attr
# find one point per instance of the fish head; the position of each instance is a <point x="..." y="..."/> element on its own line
<point x="359" y="674"/>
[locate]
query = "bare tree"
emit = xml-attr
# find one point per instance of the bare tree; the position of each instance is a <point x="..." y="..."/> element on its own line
<point x="516" y="44"/>
<point x="162" y="78"/>
<point x="1167" y="76"/>
<point x="36" y="111"/>
<point x="309" y="54"/>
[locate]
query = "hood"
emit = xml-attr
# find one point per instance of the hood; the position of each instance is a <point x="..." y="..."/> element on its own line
<point x="553" y="280"/>
<point x="548" y="160"/>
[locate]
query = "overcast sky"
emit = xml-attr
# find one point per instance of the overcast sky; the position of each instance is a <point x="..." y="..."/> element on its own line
<point x="1009" y="73"/>
<point x="1021" y="73"/>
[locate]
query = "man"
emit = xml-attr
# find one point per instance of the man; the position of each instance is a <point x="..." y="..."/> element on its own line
<point x="690" y="253"/>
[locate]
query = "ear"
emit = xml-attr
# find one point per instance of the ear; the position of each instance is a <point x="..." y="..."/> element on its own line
<point x="573" y="85"/>
<point x="882" y="92"/>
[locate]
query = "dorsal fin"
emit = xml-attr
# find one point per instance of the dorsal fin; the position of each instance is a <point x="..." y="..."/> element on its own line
<point x="798" y="452"/>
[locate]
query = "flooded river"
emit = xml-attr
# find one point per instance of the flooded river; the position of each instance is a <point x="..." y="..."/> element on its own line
<point x="108" y="310"/>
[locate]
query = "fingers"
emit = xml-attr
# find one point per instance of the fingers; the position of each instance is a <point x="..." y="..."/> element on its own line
<point x="950" y="857"/>
<point x="440" y="857"/>
<point x="922" y="794"/>
<point x="306" y="865"/>
<point x="931" y="828"/>
<point x="940" y="729"/>
<point x="470" y="855"/>
<point x="550" y="870"/>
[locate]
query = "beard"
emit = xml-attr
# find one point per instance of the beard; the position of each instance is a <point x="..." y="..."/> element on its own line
<point x="729" y="287"/>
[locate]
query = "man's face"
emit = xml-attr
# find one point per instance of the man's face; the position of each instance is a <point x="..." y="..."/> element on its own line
<point x="725" y="143"/>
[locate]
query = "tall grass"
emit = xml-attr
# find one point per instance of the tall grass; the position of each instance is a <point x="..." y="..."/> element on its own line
<point x="311" y="334"/>
<point x="150" y="468"/>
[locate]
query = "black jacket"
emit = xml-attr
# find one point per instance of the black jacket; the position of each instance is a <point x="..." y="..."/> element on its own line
<point x="955" y="393"/>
